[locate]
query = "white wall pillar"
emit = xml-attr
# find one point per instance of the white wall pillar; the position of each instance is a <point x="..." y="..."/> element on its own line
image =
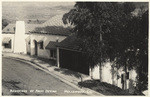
<point x="58" y="64"/>
<point x="19" y="41"/>
<point x="32" y="46"/>
<point x="91" y="72"/>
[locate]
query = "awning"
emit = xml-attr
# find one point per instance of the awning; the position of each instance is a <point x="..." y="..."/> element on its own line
<point x="6" y="40"/>
<point x="51" y="45"/>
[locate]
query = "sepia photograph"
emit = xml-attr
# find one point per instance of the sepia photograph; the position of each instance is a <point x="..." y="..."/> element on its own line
<point x="76" y="48"/>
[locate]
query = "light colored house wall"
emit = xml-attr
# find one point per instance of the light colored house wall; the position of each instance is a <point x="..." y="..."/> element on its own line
<point x="109" y="75"/>
<point x="11" y="36"/>
<point x="46" y="39"/>
<point x="27" y="40"/>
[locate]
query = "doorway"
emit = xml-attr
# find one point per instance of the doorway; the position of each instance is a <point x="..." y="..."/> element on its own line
<point x="36" y="49"/>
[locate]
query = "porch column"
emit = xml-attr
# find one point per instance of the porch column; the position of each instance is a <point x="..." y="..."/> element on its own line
<point x="58" y="65"/>
<point x="91" y="72"/>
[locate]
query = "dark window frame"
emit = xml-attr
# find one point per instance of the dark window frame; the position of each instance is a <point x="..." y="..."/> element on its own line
<point x="53" y="53"/>
<point x="41" y="45"/>
<point x="7" y="45"/>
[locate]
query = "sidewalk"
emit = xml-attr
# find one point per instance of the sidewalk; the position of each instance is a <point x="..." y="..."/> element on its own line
<point x="70" y="77"/>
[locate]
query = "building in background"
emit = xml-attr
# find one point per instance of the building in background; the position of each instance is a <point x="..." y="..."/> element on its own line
<point x="44" y="38"/>
<point x="8" y="34"/>
<point x="35" y="39"/>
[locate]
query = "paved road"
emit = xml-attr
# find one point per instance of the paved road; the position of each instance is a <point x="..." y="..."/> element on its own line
<point x="18" y="78"/>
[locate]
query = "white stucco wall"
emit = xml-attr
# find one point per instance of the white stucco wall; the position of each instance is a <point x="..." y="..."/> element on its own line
<point x="132" y="80"/>
<point x="27" y="40"/>
<point x="111" y="78"/>
<point x="44" y="53"/>
<point x="11" y="36"/>
<point x="106" y="72"/>
<point x="94" y="72"/>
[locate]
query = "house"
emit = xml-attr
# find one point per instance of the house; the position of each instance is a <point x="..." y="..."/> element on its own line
<point x="14" y="37"/>
<point x="44" y="37"/>
<point x="53" y="40"/>
<point x="35" y="39"/>
<point x="8" y="38"/>
<point x="71" y="57"/>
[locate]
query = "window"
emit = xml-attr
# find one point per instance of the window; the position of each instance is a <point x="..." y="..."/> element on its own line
<point x="7" y="45"/>
<point x="127" y="75"/>
<point x="29" y="43"/>
<point x="53" y="53"/>
<point x="41" y="45"/>
<point x="14" y="28"/>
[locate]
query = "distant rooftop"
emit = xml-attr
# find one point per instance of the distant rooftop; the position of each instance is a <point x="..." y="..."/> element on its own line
<point x="55" y="21"/>
<point x="10" y="28"/>
<point x="54" y="26"/>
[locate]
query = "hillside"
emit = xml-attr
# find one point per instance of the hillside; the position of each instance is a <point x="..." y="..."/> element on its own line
<point x="13" y="11"/>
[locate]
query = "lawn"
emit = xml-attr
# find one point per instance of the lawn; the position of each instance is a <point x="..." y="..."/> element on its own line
<point x="104" y="88"/>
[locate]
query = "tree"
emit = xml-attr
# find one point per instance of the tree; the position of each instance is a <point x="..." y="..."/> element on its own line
<point x="142" y="56"/>
<point x="121" y="33"/>
<point x="93" y="20"/>
<point x="137" y="48"/>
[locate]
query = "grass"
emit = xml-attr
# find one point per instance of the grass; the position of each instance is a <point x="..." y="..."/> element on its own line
<point x="104" y="88"/>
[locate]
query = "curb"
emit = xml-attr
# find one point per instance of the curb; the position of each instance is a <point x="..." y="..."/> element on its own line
<point x="89" y="92"/>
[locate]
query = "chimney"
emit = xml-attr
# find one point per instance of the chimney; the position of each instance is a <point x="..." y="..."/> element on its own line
<point x="19" y="41"/>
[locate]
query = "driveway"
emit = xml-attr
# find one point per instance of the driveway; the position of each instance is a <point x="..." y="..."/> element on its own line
<point x="19" y="78"/>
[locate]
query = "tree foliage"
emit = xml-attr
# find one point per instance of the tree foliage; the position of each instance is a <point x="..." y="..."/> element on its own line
<point x="124" y="36"/>
<point x="94" y="18"/>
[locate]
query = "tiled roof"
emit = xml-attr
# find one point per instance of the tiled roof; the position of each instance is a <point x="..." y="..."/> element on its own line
<point x="51" y="45"/>
<point x="31" y="27"/>
<point x="6" y="40"/>
<point x="71" y="43"/>
<point x="55" y="21"/>
<point x="54" y="26"/>
<point x="10" y="28"/>
<point x="54" y="30"/>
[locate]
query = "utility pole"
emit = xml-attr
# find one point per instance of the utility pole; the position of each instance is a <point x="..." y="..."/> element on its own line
<point x="100" y="63"/>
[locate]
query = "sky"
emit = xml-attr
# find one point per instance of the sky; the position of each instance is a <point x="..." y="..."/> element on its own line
<point x="34" y="10"/>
